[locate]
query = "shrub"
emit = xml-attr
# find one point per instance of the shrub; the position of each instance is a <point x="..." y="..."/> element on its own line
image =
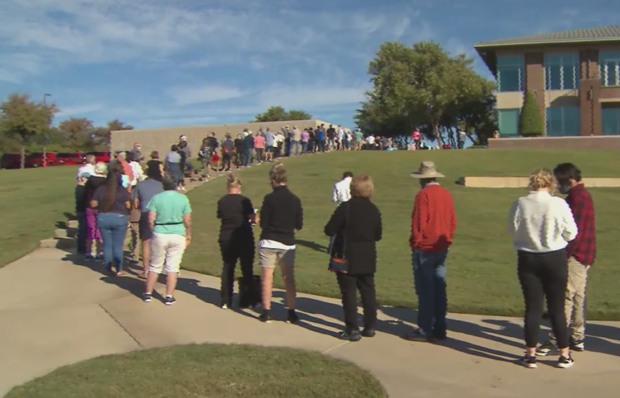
<point x="530" y="120"/>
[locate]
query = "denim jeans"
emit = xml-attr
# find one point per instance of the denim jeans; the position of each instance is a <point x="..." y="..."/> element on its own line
<point x="81" y="232"/>
<point x="295" y="148"/>
<point x="429" y="275"/>
<point x="247" y="159"/>
<point x="304" y="147"/>
<point x="113" y="227"/>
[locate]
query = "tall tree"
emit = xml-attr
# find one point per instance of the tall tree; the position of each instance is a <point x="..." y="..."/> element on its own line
<point x="77" y="132"/>
<point x="278" y="113"/>
<point x="116" y="125"/>
<point x="423" y="87"/>
<point x="22" y="119"/>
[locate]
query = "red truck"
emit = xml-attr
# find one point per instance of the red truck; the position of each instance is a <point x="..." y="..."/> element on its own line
<point x="68" y="158"/>
<point x="101" y="156"/>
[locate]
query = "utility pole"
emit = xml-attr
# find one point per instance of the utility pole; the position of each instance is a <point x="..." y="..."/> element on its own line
<point x="45" y="98"/>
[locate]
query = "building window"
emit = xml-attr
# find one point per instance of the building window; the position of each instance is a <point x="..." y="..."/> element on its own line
<point x="609" y="68"/>
<point x="508" y="122"/>
<point x="561" y="71"/>
<point x="610" y="115"/>
<point x="510" y="73"/>
<point x="563" y="121"/>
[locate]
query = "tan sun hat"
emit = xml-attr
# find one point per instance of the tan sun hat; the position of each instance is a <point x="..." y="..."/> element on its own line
<point x="427" y="170"/>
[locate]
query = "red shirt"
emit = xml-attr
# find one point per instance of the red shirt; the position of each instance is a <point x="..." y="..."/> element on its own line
<point x="583" y="247"/>
<point x="433" y="220"/>
<point x="259" y="142"/>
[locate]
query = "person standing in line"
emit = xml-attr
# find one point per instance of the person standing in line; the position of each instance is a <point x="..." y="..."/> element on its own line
<point x="331" y="138"/>
<point x="462" y="138"/>
<point x="136" y="152"/>
<point x="320" y="139"/>
<point x="581" y="253"/>
<point x="80" y="211"/>
<point x="248" y="148"/>
<point x="93" y="235"/>
<point x="295" y="141"/>
<point x="227" y="152"/>
<point x="270" y="142"/>
<point x="358" y="137"/>
<point x="342" y="189"/>
<point x="541" y="225"/>
<point x="355" y="228"/>
<point x="170" y="219"/>
<point x="142" y="195"/>
<point x="113" y="202"/>
<point x="280" y="215"/>
<point x="236" y="239"/>
<point x="259" y="146"/>
<point x="340" y="136"/>
<point x="88" y="166"/>
<point x="305" y="138"/>
<point x="173" y="166"/>
<point x="204" y="155"/>
<point x="121" y="157"/>
<point x="433" y="223"/>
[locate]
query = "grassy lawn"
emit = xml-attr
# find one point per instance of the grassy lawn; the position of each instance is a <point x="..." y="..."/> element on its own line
<point x="32" y="202"/>
<point x="481" y="266"/>
<point x="207" y="371"/>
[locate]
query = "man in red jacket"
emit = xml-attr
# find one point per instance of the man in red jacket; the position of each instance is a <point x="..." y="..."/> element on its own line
<point x="433" y="223"/>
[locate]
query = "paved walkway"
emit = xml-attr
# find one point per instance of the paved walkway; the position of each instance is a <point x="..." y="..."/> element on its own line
<point x="55" y="312"/>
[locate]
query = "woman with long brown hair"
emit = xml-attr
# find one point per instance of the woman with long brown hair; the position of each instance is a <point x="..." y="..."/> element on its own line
<point x="113" y="203"/>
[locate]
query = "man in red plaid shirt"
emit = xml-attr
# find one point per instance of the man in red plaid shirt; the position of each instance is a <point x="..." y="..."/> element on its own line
<point x="581" y="253"/>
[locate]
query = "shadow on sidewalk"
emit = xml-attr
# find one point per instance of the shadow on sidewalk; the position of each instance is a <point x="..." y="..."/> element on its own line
<point x="311" y="245"/>
<point x="203" y="293"/>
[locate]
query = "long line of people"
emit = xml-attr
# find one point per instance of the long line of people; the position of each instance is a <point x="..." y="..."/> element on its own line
<point x="554" y="239"/>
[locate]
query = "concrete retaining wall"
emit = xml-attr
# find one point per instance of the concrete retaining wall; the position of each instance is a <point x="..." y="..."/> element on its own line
<point x="522" y="182"/>
<point x="584" y="142"/>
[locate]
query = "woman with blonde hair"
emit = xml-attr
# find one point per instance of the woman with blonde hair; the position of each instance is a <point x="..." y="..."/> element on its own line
<point x="356" y="227"/>
<point x="236" y="239"/>
<point x="541" y="226"/>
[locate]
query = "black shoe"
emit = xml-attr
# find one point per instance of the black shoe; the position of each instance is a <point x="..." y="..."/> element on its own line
<point x="292" y="317"/>
<point x="440" y="336"/>
<point x="565" y="362"/>
<point x="368" y="332"/>
<point x="264" y="317"/>
<point x="528" y="361"/>
<point x="351" y="335"/>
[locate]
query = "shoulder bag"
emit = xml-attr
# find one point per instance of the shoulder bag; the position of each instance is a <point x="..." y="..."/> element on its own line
<point x="341" y="264"/>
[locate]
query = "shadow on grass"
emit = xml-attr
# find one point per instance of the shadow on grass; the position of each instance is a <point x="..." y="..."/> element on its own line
<point x="312" y="245"/>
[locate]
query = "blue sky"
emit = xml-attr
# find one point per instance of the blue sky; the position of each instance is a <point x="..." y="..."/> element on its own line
<point x="156" y="63"/>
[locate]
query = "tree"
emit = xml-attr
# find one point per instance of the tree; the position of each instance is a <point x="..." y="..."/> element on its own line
<point x="22" y="119"/>
<point x="77" y="132"/>
<point x="278" y="113"/>
<point x="424" y="87"/>
<point x="116" y="125"/>
<point x="530" y="120"/>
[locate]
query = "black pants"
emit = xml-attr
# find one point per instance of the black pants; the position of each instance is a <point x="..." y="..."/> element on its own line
<point x="243" y="251"/>
<point x="544" y="274"/>
<point x="226" y="161"/>
<point x="366" y="286"/>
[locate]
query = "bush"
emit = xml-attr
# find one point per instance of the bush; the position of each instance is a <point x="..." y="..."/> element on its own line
<point x="530" y="120"/>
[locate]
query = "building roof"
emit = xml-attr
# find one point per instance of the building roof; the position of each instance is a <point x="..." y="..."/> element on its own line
<point x="589" y="35"/>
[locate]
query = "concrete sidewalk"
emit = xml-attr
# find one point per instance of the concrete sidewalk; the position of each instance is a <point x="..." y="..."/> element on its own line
<point x="55" y="313"/>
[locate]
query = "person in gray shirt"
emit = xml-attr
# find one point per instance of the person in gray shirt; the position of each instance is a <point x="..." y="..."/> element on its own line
<point x="142" y="195"/>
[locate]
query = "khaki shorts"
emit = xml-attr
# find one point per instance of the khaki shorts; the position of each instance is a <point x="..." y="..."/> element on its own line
<point x="166" y="253"/>
<point x="270" y="258"/>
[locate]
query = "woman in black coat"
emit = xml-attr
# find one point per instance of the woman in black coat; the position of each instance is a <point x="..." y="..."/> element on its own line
<point x="356" y="225"/>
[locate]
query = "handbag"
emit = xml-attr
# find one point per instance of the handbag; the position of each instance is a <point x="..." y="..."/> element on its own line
<point x="340" y="264"/>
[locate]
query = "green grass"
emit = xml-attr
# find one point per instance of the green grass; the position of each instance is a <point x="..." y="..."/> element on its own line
<point x="32" y="202"/>
<point x="206" y="371"/>
<point x="481" y="265"/>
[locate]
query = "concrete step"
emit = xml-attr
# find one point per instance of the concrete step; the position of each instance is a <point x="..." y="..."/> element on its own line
<point x="61" y="234"/>
<point x="72" y="224"/>
<point x="62" y="243"/>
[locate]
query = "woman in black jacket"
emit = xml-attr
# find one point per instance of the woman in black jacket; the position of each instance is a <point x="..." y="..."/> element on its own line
<point x="356" y="225"/>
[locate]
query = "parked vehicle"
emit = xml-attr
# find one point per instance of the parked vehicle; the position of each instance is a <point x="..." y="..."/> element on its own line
<point x="101" y="156"/>
<point x="68" y="158"/>
<point x="11" y="161"/>
<point x="39" y="159"/>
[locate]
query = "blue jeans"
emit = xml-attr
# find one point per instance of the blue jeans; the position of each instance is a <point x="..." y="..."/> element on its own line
<point x="304" y="147"/>
<point x="295" y="144"/>
<point x="113" y="227"/>
<point x="429" y="275"/>
<point x="81" y="232"/>
<point x="247" y="159"/>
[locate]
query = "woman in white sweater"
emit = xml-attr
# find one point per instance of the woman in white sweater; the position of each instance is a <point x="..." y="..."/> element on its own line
<point x="541" y="226"/>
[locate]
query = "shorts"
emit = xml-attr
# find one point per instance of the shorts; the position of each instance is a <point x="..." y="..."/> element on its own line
<point x="270" y="258"/>
<point x="166" y="253"/>
<point x="269" y="149"/>
<point x="146" y="232"/>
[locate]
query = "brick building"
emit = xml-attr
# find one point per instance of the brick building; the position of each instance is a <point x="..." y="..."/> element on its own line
<point x="574" y="75"/>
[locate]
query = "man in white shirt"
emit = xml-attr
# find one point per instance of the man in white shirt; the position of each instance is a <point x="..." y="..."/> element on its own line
<point x="342" y="189"/>
<point x="87" y="167"/>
